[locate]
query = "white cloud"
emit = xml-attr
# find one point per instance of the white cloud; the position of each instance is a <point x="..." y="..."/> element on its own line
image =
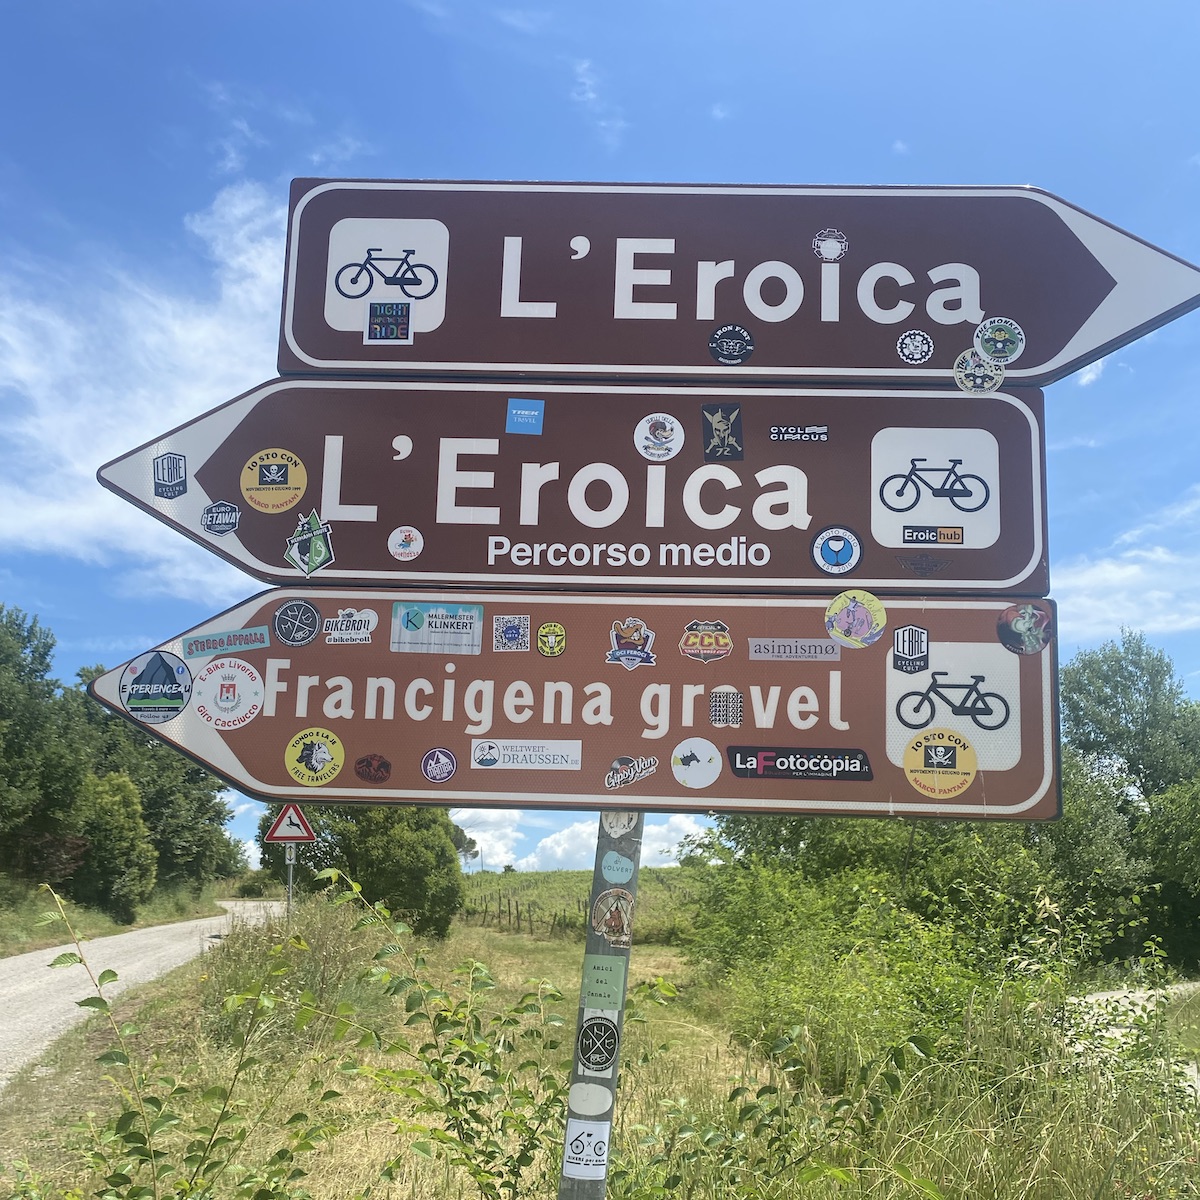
<point x="899" y="147"/>
<point x="253" y="856"/>
<point x="574" y="848"/>
<point x="607" y="118"/>
<point x="719" y="112"/>
<point x="1091" y="373"/>
<point x="338" y="151"/>
<point x="660" y="841"/>
<point x="151" y="355"/>
<point x="495" y="832"/>
<point x="524" y="20"/>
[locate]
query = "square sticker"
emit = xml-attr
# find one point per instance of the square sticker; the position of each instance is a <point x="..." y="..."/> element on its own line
<point x="510" y="633"/>
<point x="525" y="416"/>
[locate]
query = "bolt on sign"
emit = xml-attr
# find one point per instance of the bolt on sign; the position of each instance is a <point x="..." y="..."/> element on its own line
<point x="847" y="704"/>
<point x="716" y="489"/>
<point x="654" y="281"/>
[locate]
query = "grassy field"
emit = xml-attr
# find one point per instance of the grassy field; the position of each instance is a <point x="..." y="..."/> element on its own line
<point x="462" y="1093"/>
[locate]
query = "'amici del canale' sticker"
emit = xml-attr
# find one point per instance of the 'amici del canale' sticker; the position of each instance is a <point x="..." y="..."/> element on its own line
<point x="314" y="756"/>
<point x="940" y="763"/>
<point x="156" y="687"/>
<point x="228" y="693"/>
<point x="1025" y="628"/>
<point x="612" y="917"/>
<point x="855" y="618"/>
<point x="273" y="480"/>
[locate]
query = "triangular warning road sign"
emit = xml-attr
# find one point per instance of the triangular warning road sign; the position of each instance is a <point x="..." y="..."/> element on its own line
<point x="290" y="826"/>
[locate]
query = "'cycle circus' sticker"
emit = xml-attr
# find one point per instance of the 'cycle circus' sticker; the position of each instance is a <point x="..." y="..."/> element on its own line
<point x="940" y="763"/>
<point x="314" y="756"/>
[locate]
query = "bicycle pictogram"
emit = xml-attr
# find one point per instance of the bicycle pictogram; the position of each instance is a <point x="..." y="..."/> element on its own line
<point x="415" y="280"/>
<point x="989" y="710"/>
<point x="968" y="493"/>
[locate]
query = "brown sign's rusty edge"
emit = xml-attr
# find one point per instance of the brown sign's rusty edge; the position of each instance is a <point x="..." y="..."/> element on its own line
<point x="697" y="282"/>
<point x="741" y="489"/>
<point x="845" y="704"/>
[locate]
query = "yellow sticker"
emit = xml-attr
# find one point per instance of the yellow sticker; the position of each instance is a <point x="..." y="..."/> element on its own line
<point x="855" y="618"/>
<point x="314" y="756"/>
<point x="274" y="480"/>
<point x="940" y="763"/>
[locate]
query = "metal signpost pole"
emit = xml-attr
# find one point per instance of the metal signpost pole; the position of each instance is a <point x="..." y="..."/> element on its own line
<point x="291" y="862"/>
<point x="593" y="1094"/>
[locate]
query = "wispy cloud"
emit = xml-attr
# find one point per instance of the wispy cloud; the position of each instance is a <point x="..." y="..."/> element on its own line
<point x="1090" y="373"/>
<point x="339" y="151"/>
<point x="524" y="20"/>
<point x="606" y="118"/>
<point x="495" y="831"/>
<point x="899" y="147"/>
<point x="719" y="112"/>
<point x="574" y="848"/>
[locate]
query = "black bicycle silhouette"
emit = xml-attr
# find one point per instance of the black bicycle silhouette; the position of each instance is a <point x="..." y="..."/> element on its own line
<point x="988" y="710"/>
<point x="968" y="493"/>
<point x="415" y="280"/>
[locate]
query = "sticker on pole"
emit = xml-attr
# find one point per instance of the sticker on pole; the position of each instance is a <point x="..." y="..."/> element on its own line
<point x="290" y="826"/>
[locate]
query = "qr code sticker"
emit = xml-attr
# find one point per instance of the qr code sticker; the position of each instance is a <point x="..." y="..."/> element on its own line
<point x="510" y="633"/>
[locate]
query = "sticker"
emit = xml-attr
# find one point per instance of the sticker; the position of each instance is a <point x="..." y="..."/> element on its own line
<point x="389" y="321"/>
<point x="910" y="649"/>
<point x="525" y="416"/>
<point x="617" y="824"/>
<point x="706" y="641"/>
<point x="603" y="981"/>
<point x="170" y="476"/>
<point x="437" y="628"/>
<point x="799" y="433"/>
<point x="915" y="347"/>
<point x="932" y="535"/>
<point x="658" y="437"/>
<point x="296" y="623"/>
<point x="725" y="707"/>
<point x="438" y="764"/>
<point x="830" y="244"/>
<point x="228" y="693"/>
<point x="612" y="917"/>
<point x="836" y="550"/>
<point x="616" y="868"/>
<point x="551" y="639"/>
<point x="855" y="618"/>
<point x="785" y="762"/>
<point x="940" y="763"/>
<point x="631" y="642"/>
<point x="351" y="627"/>
<point x="405" y="543"/>
<point x="975" y="374"/>
<point x="589" y="1099"/>
<point x="373" y="768"/>
<point x="1025" y="628"/>
<point x="220" y="518"/>
<point x="510" y="633"/>
<point x="626" y="770"/>
<point x="585" y="1152"/>
<point x="314" y="756"/>
<point x="598" y="1043"/>
<point x="510" y="755"/>
<point x="792" y="649"/>
<point x="731" y="345"/>
<point x="310" y="548"/>
<point x="257" y="638"/>
<point x="1000" y="340"/>
<point x="696" y="762"/>
<point x="156" y="687"/>
<point x="723" y="432"/>
<point x="922" y="565"/>
<point x="273" y="480"/>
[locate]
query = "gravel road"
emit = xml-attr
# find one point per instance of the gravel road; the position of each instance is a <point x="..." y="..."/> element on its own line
<point x="39" y="1004"/>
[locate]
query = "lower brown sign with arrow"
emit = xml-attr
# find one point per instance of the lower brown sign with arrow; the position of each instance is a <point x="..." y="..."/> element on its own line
<point x="846" y="704"/>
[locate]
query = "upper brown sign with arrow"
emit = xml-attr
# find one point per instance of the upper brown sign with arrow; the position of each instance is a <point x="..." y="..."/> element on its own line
<point x="691" y="282"/>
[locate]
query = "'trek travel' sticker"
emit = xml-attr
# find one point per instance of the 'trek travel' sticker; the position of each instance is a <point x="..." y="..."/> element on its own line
<point x="274" y="480"/>
<point x="940" y="763"/>
<point x="855" y="618"/>
<point x="314" y="756"/>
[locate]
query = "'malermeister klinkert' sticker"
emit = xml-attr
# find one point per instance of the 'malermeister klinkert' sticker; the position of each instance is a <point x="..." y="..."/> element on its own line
<point x="940" y="763"/>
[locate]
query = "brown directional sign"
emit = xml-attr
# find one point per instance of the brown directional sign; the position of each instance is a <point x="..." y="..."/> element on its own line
<point x="735" y="490"/>
<point x="843" y="704"/>
<point x="691" y="282"/>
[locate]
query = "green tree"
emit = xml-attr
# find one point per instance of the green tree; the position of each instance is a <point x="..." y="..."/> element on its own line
<point x="1124" y="702"/>
<point x="118" y="868"/>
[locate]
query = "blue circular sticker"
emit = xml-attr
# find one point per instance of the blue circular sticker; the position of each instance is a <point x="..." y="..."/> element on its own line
<point x="616" y="868"/>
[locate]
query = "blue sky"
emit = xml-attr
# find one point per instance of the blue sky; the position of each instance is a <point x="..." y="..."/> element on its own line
<point x="145" y="154"/>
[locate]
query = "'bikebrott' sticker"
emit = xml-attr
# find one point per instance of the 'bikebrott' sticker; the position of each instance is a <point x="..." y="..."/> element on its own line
<point x="940" y="763"/>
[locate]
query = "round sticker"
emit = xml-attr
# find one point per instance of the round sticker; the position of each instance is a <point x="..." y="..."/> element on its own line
<point x="597" y="1043"/>
<point x="228" y="693"/>
<point x="731" y="345"/>
<point x="405" y="543"/>
<point x="551" y="639"/>
<point x="373" y="768"/>
<point x="830" y="244"/>
<point x="915" y="347"/>
<point x="438" y="764"/>
<point x="616" y="823"/>
<point x="156" y="687"/>
<point x="612" y="917"/>
<point x="975" y="374"/>
<point x="296" y="623"/>
<point x="273" y="480"/>
<point x="855" y="619"/>
<point x="940" y="763"/>
<point x="616" y="868"/>
<point x="1000" y="340"/>
<point x="314" y="756"/>
<point x="696" y="762"/>
<point x="658" y="437"/>
<point x="590" y="1099"/>
<point x="836" y="550"/>
<point x="1025" y="628"/>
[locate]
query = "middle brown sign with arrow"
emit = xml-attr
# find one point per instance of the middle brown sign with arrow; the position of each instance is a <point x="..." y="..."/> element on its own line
<point x="720" y="489"/>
